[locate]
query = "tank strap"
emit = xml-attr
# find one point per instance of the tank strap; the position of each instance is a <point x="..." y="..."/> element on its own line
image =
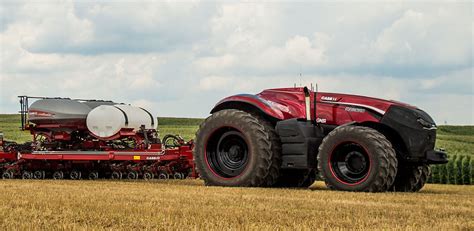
<point x="151" y="117"/>
<point x="124" y="114"/>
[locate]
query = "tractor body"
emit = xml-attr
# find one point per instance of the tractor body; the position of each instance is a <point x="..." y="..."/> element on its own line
<point x="409" y="128"/>
<point x="301" y="119"/>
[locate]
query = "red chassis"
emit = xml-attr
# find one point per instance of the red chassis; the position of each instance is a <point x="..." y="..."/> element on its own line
<point x="157" y="161"/>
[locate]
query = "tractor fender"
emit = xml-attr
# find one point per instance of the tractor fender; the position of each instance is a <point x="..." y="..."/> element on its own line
<point x="248" y="101"/>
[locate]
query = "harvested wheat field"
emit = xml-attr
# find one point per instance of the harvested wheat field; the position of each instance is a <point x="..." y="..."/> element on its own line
<point x="187" y="204"/>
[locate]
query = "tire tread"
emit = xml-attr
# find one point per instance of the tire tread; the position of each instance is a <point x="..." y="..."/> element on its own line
<point x="388" y="161"/>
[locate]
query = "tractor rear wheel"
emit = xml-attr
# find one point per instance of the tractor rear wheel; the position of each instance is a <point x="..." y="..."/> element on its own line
<point x="234" y="148"/>
<point x="354" y="158"/>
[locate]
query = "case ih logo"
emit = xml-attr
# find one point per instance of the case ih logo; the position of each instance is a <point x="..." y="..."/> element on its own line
<point x="328" y="98"/>
<point x="152" y="157"/>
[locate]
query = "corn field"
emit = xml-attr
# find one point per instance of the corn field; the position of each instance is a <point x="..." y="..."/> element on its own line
<point x="459" y="170"/>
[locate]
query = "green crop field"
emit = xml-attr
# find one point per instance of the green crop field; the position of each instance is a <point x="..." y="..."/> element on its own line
<point x="456" y="139"/>
<point x="184" y="127"/>
<point x="188" y="204"/>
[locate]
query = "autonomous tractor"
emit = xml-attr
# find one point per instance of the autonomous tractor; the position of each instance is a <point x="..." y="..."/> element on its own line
<point x="290" y="137"/>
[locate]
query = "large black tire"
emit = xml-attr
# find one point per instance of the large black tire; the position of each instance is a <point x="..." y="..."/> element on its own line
<point x="355" y="158"/>
<point x="425" y="174"/>
<point x="296" y="178"/>
<point x="407" y="178"/>
<point x="275" y="142"/>
<point x="234" y="148"/>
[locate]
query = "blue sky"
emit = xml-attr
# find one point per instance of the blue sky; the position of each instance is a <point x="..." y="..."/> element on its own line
<point x="180" y="58"/>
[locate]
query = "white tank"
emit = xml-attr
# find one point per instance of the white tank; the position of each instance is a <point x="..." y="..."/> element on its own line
<point x="107" y="120"/>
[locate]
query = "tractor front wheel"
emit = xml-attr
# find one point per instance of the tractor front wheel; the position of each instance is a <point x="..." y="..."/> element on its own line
<point x="407" y="178"/>
<point x="425" y="174"/>
<point x="354" y="158"/>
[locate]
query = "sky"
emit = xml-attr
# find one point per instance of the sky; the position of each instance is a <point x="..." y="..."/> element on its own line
<point x="180" y="58"/>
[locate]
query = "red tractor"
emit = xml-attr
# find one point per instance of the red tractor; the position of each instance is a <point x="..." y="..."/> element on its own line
<point x="286" y="137"/>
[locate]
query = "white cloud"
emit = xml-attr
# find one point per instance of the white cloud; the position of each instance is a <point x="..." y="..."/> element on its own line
<point x="298" y="51"/>
<point x="230" y="83"/>
<point x="167" y="54"/>
<point x="59" y="24"/>
<point x="207" y="64"/>
<point x="301" y="50"/>
<point x="214" y="83"/>
<point x="437" y="37"/>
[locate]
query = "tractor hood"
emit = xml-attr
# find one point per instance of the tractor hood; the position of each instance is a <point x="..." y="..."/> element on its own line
<point x="287" y="103"/>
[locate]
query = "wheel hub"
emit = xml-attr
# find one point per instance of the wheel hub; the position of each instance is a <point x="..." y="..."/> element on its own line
<point x="227" y="152"/>
<point x="235" y="153"/>
<point x="355" y="162"/>
<point x="350" y="162"/>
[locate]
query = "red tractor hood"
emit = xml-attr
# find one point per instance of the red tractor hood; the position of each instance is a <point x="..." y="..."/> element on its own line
<point x="287" y="103"/>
